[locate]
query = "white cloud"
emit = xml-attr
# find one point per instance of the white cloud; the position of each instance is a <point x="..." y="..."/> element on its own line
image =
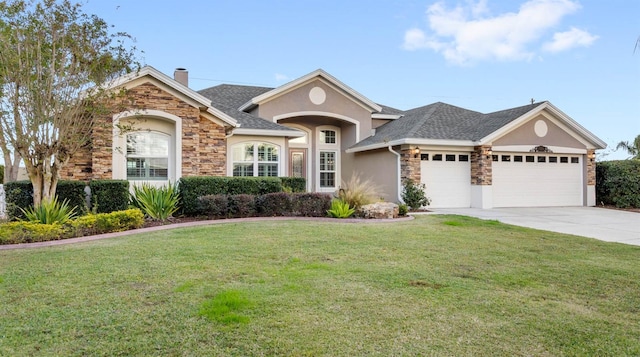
<point x="563" y="41"/>
<point x="469" y="33"/>
<point x="281" y="77"/>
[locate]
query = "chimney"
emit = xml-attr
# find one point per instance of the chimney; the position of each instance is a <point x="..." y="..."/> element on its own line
<point x="181" y="75"/>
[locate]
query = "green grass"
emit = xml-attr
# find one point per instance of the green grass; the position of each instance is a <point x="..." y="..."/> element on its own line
<point x="437" y="285"/>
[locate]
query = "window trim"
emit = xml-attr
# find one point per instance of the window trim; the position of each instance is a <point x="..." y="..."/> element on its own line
<point x="321" y="147"/>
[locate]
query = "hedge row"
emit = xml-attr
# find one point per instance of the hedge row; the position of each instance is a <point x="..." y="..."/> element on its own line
<point x="271" y="205"/>
<point x="106" y="196"/>
<point x="113" y="195"/>
<point x="193" y="187"/>
<point x="618" y="183"/>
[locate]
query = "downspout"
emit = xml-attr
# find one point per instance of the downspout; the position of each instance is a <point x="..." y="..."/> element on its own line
<point x="398" y="174"/>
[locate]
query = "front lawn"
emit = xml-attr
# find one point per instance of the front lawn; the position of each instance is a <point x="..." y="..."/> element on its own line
<point x="437" y="285"/>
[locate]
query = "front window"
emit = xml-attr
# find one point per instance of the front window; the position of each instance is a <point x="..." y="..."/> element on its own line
<point x="328" y="136"/>
<point x="327" y="169"/>
<point x="147" y="156"/>
<point x="255" y="159"/>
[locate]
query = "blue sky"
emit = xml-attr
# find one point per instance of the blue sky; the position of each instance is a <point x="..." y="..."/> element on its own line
<point x="481" y="55"/>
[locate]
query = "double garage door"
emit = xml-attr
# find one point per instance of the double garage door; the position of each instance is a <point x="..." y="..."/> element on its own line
<point x="536" y="180"/>
<point x="519" y="179"/>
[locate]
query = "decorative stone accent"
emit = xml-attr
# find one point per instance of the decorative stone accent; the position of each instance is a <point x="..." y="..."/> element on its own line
<point x="409" y="166"/>
<point x="481" y="169"/>
<point x="203" y="142"/>
<point x="591" y="167"/>
<point x="379" y="210"/>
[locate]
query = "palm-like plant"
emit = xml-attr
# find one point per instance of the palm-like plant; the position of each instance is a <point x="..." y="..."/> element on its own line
<point x="157" y="203"/>
<point x="50" y="211"/>
<point x="632" y="148"/>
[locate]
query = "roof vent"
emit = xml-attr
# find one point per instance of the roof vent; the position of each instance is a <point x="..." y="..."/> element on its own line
<point x="181" y="75"/>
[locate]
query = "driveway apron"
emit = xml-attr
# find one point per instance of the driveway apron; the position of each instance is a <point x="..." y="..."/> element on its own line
<point x="592" y="222"/>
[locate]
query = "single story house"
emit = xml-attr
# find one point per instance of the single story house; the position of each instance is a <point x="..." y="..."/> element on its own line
<point x="319" y="128"/>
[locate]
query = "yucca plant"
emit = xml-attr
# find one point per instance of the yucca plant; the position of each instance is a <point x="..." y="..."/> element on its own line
<point x="50" y="211"/>
<point x="157" y="203"/>
<point x="340" y="209"/>
<point x="358" y="193"/>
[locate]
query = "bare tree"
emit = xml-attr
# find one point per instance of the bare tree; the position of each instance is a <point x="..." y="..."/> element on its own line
<point x="54" y="59"/>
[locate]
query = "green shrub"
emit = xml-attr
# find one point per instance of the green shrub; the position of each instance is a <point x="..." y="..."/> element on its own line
<point x="109" y="195"/>
<point x="294" y="184"/>
<point x="1" y="174"/>
<point x="50" y="211"/>
<point x="242" y="205"/>
<point x="213" y="206"/>
<point x="414" y="196"/>
<point x="403" y="209"/>
<point x="358" y="193"/>
<point x="19" y="197"/>
<point x="107" y="222"/>
<point x="73" y="192"/>
<point x="157" y="203"/>
<point x="274" y="204"/>
<point x="618" y="183"/>
<point x="340" y="209"/>
<point x="193" y="187"/>
<point x="310" y="204"/>
<point x="30" y="232"/>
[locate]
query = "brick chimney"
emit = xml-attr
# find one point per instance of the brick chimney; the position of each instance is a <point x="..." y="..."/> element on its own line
<point x="181" y="75"/>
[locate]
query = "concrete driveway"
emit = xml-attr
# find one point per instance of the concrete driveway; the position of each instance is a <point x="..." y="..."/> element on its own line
<point x="599" y="223"/>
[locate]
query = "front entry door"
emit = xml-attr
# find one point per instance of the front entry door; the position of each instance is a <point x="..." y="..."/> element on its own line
<point x="298" y="163"/>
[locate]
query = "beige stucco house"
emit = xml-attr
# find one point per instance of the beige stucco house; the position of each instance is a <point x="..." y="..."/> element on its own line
<point x="319" y="128"/>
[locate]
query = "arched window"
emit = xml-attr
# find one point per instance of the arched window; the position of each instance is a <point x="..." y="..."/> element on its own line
<point x="255" y="159"/>
<point x="147" y="156"/>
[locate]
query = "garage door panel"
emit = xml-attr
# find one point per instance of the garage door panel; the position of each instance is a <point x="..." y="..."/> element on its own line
<point x="448" y="183"/>
<point x="531" y="184"/>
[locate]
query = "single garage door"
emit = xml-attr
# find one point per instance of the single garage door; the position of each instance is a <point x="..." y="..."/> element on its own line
<point x="447" y="177"/>
<point x="536" y="180"/>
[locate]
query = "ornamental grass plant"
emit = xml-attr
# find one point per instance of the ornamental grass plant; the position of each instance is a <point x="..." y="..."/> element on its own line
<point x="157" y="203"/>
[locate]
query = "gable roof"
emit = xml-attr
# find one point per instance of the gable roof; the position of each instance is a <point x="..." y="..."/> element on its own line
<point x="175" y="85"/>
<point x="373" y="107"/>
<point x="445" y="124"/>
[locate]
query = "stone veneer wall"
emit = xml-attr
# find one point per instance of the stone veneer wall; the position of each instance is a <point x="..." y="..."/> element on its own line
<point x="203" y="142"/>
<point x="481" y="166"/>
<point x="591" y="167"/>
<point x="79" y="166"/>
<point x="212" y="152"/>
<point x="409" y="166"/>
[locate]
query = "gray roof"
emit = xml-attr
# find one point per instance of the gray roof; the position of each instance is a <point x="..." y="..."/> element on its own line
<point x="438" y="121"/>
<point x="228" y="98"/>
<point x="390" y="110"/>
<point x="441" y="121"/>
<point x="232" y="96"/>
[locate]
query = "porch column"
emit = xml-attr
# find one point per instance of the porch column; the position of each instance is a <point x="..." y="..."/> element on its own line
<point x="590" y="164"/>
<point x="481" y="177"/>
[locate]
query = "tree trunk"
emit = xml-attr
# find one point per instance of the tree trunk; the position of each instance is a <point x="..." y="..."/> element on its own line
<point x="11" y="167"/>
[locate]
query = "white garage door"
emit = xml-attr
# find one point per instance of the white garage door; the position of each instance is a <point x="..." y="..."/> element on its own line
<point x="447" y="177"/>
<point x="536" y="180"/>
